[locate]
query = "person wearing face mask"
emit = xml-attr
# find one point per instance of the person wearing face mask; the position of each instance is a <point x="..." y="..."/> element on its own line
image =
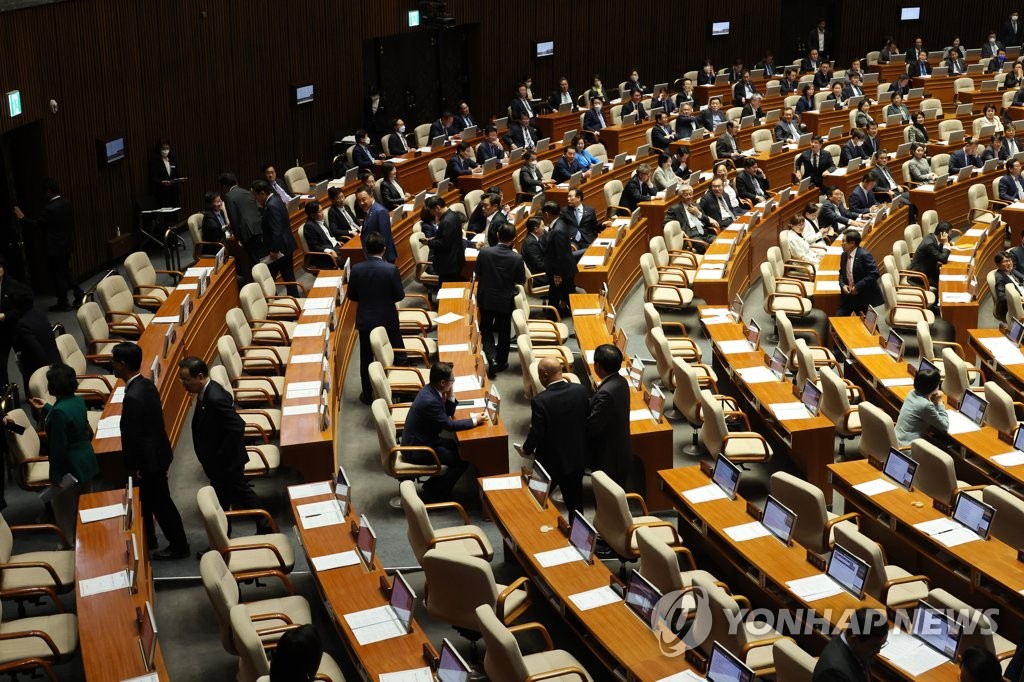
<point x="594" y="121"/>
<point x="165" y="177"/>
<point x="531" y="181"/>
<point x="362" y="155"/>
<point x="991" y="46"/>
<point x="1012" y="32"/>
<point x="398" y="144"/>
<point x="854" y="148"/>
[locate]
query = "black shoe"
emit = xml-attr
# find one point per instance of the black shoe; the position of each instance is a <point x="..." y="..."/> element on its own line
<point x="492" y="370"/>
<point x="500" y="368"/>
<point x="60" y="307"/>
<point x="365" y="399"/>
<point x="171" y="554"/>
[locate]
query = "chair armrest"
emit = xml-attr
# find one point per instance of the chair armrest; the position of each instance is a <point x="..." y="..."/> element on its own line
<point x="545" y="308"/>
<point x="36" y="565"/>
<point x="545" y="324"/>
<point x="688" y="255"/>
<point x="258" y="545"/>
<point x="268" y="325"/>
<point x="974" y="372"/>
<point x="430" y="470"/>
<point x="270" y="616"/>
<point x="268" y="573"/>
<point x="435" y="506"/>
<point x="143" y="301"/>
<point x="36" y="634"/>
<point x="419" y="353"/>
<point x="25" y="664"/>
<point x="47" y="527"/>
<point x="273" y="351"/>
<point x="314" y="261"/>
<point x="260" y="513"/>
<point x="499" y="607"/>
<point x="900" y="581"/>
<point x="35" y="591"/>
<point x="957" y="348"/>
<point x="290" y="300"/>
<point x="558" y="672"/>
<point x="748" y="435"/>
<point x="667" y="287"/>
<point x="251" y="399"/>
<point x="459" y="537"/>
<point x="808" y="331"/>
<point x="146" y="287"/>
<point x="795" y="287"/>
<point x="687" y="554"/>
<point x="515" y="630"/>
<point x="263" y="458"/>
<point x="852" y="516"/>
<point x="678" y="326"/>
<point x="419" y="377"/>
<point x="635" y="497"/>
<point x="135" y="322"/>
<point x="426" y="301"/>
<point x="738" y="413"/>
<point x="615" y="209"/>
<point x="785" y="295"/>
<point x="631" y="531"/>
<point x="922" y="281"/>
<point x="175" y="274"/>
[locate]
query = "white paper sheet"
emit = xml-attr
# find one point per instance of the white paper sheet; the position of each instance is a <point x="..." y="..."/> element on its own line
<point x="640" y="415"/>
<point x="188" y="286"/>
<point x="684" y="676"/>
<point x="448" y="318"/>
<point x="956" y="258"/>
<point x="790" y="411"/>
<point x="151" y="677"/>
<point x="747" y="531"/>
<point x="165" y="319"/>
<point x="713" y="312"/>
<point x="591" y="599"/>
<point x="960" y="424"/>
<point x="298" y="492"/>
<point x="309" y="329"/>
<point x="472" y="253"/>
<point x="557" y="557"/>
<point x="103" y="583"/>
<point x="1009" y="459"/>
<point x="956" y="297"/>
<point x="503" y="483"/>
<point x="868" y="350"/>
<point x="586" y="311"/>
<point x="704" y="274"/>
<point x="118" y="395"/>
<point x="952" y="278"/>
<point x="453" y="348"/>
<point x="338" y="560"/>
<point x="874" y="487"/>
<point x="910" y="654"/>
<point x="112" y="422"/>
<point x="108" y="433"/>
<point x="898" y="381"/>
<point x="111" y="511"/>
<point x="756" y="375"/>
<point x="307" y="359"/>
<point x="815" y="587"/>
<point x="825" y="286"/>
<point x="735" y="346"/>
<point x="411" y="675"/>
<point x="592" y="261"/>
<point x="326" y="282"/>
<point x="715" y="257"/>
<point x="705" y="493"/>
<point x="470" y="382"/>
<point x="295" y="410"/>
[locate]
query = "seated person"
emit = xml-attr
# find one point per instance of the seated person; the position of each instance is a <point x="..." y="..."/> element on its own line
<point x="753" y="108"/>
<point x="635" y="105"/>
<point x="854" y="148"/>
<point x="752" y="183"/>
<point x="1006" y="274"/>
<point x="823" y="77"/>
<point x="790" y="82"/>
<point x="664" y="176"/>
<point x="806" y="101"/>
<point x="340" y="220"/>
<point x="392" y="195"/>
<point x="461" y="163"/>
<point x="686" y="122"/>
<point x="583" y="157"/>
<point x="901" y="85"/>
<point x="533" y="250"/>
<point x="522" y="135"/>
<point x="787" y="129"/>
<point x="567" y="165"/>
<point x="318" y="238"/>
<point x="639" y="188"/>
<point x="531" y="180"/>
<point x="726" y="146"/>
<point x="490" y="148"/>
<point x="920" y="168"/>
<point x="862" y="198"/>
<point x="833" y="214"/>
<point x="696" y="224"/>
<point x="215" y="226"/>
<point x="968" y="156"/>
<point x="443" y="127"/>
<point x="898" y="108"/>
<point x="661" y="135"/>
<point x="923" y="410"/>
<point x="837" y="96"/>
<point x="713" y="115"/>
<point x="813" y="163"/>
<point x="594" y="120"/>
<point x="1011" y="185"/>
<point x="681" y="163"/>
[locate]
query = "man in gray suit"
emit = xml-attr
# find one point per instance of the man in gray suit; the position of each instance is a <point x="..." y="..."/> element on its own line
<point x="499" y="269"/>
<point x="243" y="216"/>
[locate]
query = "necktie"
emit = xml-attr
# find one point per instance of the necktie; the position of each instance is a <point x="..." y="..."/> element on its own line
<point x="327" y="233"/>
<point x="724" y="207"/>
<point x="849" y="269"/>
<point x="527" y="140"/>
<point x="757" y="189"/>
<point x="814" y="161"/>
<point x="600" y="117"/>
<point x="348" y="218"/>
<point x="528" y="109"/>
<point x="578" y="237"/>
<point x="405" y="143"/>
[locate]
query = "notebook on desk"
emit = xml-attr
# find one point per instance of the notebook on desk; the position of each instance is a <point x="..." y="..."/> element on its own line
<point x="779" y="519"/>
<point x="451" y="666"/>
<point x="848" y="571"/>
<point x="973" y="406"/>
<point x="726" y="476"/>
<point x="936" y="629"/>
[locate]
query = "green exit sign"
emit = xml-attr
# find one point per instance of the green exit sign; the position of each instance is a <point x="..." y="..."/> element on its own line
<point x="414" y="18"/>
<point x="14" y="103"/>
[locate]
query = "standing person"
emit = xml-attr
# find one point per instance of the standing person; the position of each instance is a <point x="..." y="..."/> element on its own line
<point x="608" y="421"/>
<point x="498" y="270"/>
<point x="556" y="431"/>
<point x="165" y="176"/>
<point x="33" y="339"/>
<point x="218" y="438"/>
<point x="243" y="216"/>
<point x="277" y="234"/>
<point x="376" y="286"/>
<point x="12" y="296"/>
<point x="430" y="414"/>
<point x="858" y="277"/>
<point x="848" y="657"/>
<point x="147" y="452"/>
<point x="69" y="443"/>
<point x="559" y="263"/>
<point x="447" y="247"/>
<point x="58" y="223"/>
<point x="377" y="220"/>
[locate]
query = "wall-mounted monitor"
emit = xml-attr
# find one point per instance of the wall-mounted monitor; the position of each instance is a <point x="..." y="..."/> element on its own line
<point x="720" y="28"/>
<point x="544" y="48"/>
<point x="110" y="150"/>
<point x="910" y="13"/>
<point x="14" y="103"/>
<point x="414" y="18"/>
<point x="302" y="94"/>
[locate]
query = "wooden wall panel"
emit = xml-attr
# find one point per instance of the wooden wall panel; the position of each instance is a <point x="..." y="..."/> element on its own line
<point x="213" y="76"/>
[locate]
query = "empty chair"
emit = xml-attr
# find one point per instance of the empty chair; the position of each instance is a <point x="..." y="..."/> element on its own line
<point x="686" y="397"/>
<point x="612" y="195"/>
<point x="750" y="641"/>
<point x="981" y="208"/>
<point x="541" y="332"/>
<point x="1001" y="414"/>
<point x="792" y="664"/>
<point x="787" y="343"/>
<point x="878" y="432"/>
<point x="926" y="346"/>
<point x="257" y="312"/>
<point x="422" y="133"/>
<point x="114" y="296"/>
<point x="679" y="344"/>
<point x="468" y="539"/>
<point x="50" y="571"/>
<point x="262" y="422"/>
<point x="252" y="657"/>
<point x="947" y="127"/>
<point x="814" y="523"/>
<point x="296" y="180"/>
<point x="33" y="467"/>
<point x="785" y="296"/>
<point x="659" y="562"/>
<point x="889" y="584"/>
<point x="799" y="275"/>
<point x="98" y="341"/>
<point x="902" y="314"/>
<point x="393" y="457"/>
<point x="835" y="405"/>
<point x="402" y="379"/>
<point x="285" y="307"/>
<point x="94" y="388"/>
<point x="932" y="103"/>
<point x="738" y="446"/>
<point x="255" y="359"/>
<point x="1008" y="523"/>
<point x="222" y="589"/>
<point x="382" y="389"/>
<point x="141" y="276"/>
<point x="504" y="660"/>
<point x="437" y="169"/>
<point x="671" y="263"/>
<point x="263" y="389"/>
<point x="936" y="473"/>
<point x="978" y="629"/>
<point x="661" y="291"/>
<point x="940" y="164"/>
<point x="617" y="525"/>
<point x="38" y="642"/>
<point x="271" y="553"/>
<point x="958" y="377"/>
<point x="965" y="84"/>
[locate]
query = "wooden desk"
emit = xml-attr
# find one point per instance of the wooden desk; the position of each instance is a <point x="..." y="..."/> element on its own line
<point x="951" y="201"/>
<point x="980" y="99"/>
<point x="621" y="270"/>
<point x="198" y="336"/>
<point x="108" y="633"/>
<point x="888" y="72"/>
<point x="652" y="441"/>
<point x="620" y="640"/>
<point x="414" y="170"/>
<point x="778" y="167"/>
<point x="985" y="574"/>
<point x="593" y="189"/>
<point x="555" y="125"/>
<point x="621" y="138"/>
<point x="762" y="567"/>
<point x="354" y="588"/>
<point x="938" y="87"/>
<point x="1009" y="377"/>
<point x="502" y="175"/>
<point x="820" y="122"/>
<point x="704" y="93"/>
<point x="809" y="442"/>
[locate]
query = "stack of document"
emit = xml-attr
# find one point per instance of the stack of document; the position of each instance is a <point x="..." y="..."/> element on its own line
<point x="375" y="625"/>
<point x="747" y="531"/>
<point x="1003" y="350"/>
<point x="947" y="531"/>
<point x="103" y="583"/>
<point x="319" y="514"/>
<point x="443" y="294"/>
<point x="448" y="318"/>
<point x="297" y="492"/>
<point x="309" y="329"/>
<point x="814" y="587"/>
<point x="320" y="305"/>
<point x="470" y="382"/>
<point x="557" y="557"/>
<point x="338" y="560"/>
<point x="911" y="654"/>
<point x="705" y="493"/>
<point x="960" y="424"/>
<point x="756" y="375"/>
<point x="826" y="285"/>
<point x="302" y="389"/>
<point x="868" y="350"/>
<point x="733" y="347"/>
<point x="109" y="427"/>
<point x="1009" y="459"/>
<point x="502" y="483"/>
<point x="789" y="411"/>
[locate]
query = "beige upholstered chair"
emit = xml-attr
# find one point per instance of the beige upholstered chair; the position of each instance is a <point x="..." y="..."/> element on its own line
<point x="382" y="389"/>
<point x="940" y="164"/>
<point x="981" y="208"/>
<point x="403" y="379"/>
<point x="467" y="539"/>
<point x="738" y="446"/>
<point x="889" y="584"/>
<point x="814" y="523"/>
<point x="114" y="296"/>
<point x="504" y="660"/>
<point x="542" y="332"/>
<point x="421" y="260"/>
<point x="98" y="340"/>
<point x="257" y="359"/>
<point x="978" y="630"/>
<point x="296" y="180"/>
<point x="142" y="277"/>
<point x="912" y="235"/>
<point x="932" y="103"/>
<point x="612" y="194"/>
<point x="252" y="657"/>
<point x="787" y="343"/>
<point x="257" y="312"/>
<point x="38" y="642"/>
<point x="903" y="314"/>
<point x="437" y="168"/>
<point x="1001" y="414"/>
<point x="958" y="377"/>
<point x="222" y="589"/>
<point x="94" y="388"/>
<point x="878" y="432"/>
<point x="948" y="127"/>
<point x="673" y="260"/>
<point x="271" y="552"/>
<point x="783" y="295"/>
<point x="422" y="133"/>
<point x="835" y="404"/>
<point x="659" y="563"/>
<point x="689" y="379"/>
<point x="195" y="230"/>
<point x="48" y="572"/>
<point x="248" y="390"/>
<point x="936" y="472"/>
<point x="617" y="525"/>
<point x="262" y="422"/>
<point x="1008" y="523"/>
<point x="471" y="199"/>
<point x="927" y="347"/>
<point x="457" y="583"/>
<point x="663" y="287"/>
<point x="33" y="467"/>
<point x="680" y="345"/>
<point x="792" y="664"/>
<point x="392" y="455"/>
<point x="278" y="307"/>
<point x="751" y="642"/>
<point x="798" y="274"/>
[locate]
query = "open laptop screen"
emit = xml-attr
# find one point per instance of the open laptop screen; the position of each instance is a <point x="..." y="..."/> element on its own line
<point x="900" y="468"/>
<point x="403" y="599"/>
<point x="779" y="519"/>
<point x="752" y="332"/>
<point x="974" y="514"/>
<point x="871" y="320"/>
<point x="582" y="535"/>
<point x="642" y="597"/>
<point x="973" y="406"/>
<point x="927" y="364"/>
<point x="937" y="630"/>
<point x="778" y="364"/>
<point x="1015" y="332"/>
<point x="539" y="484"/>
<point x="366" y="541"/>
<point x="451" y="666"/>
<point x="726" y="667"/>
<point x="811" y="397"/>
<point x="851" y="572"/>
<point x="894" y="345"/>
<point x="726" y="475"/>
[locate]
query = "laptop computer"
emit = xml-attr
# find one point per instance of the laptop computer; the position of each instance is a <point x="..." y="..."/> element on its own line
<point x="490" y="164"/>
<point x="941" y="180"/>
<point x="366" y="541"/>
<point x="736" y="308"/>
<point x="973" y="406"/>
<point x="543" y="144"/>
<point x="972" y="54"/>
<point x="516" y="154"/>
<point x="854" y="101"/>
<point x="342" y="490"/>
<point x="642" y="597"/>
<point x="989" y="86"/>
<point x="893" y="120"/>
<point x="925" y="363"/>
<point x="748" y="121"/>
<point x="352" y="174"/>
<point x="565" y="107"/>
<point x="974" y="515"/>
<point x="990" y="165"/>
<point x="903" y="149"/>
<point x="1015" y="332"/>
<point x="643" y="151"/>
<point x="1018" y="438"/>
<point x="964" y="109"/>
<point x="784" y="195"/>
<point x="569" y="134"/>
<point x="930" y="113"/>
<point x="501" y="124"/>
<point x="698" y="134"/>
<point x="719" y="129"/>
<point x="726" y="476"/>
<point x="937" y="630"/>
<point x="803" y="141"/>
<point x="629" y="119"/>
<point x="539" y="484"/>
<point x="940" y="71"/>
<point x="451" y="666"/>
<point x="724" y="666"/>
<point x="854" y="164"/>
<point x="827" y="105"/>
<point x="894" y="345"/>
<point x="777" y="364"/>
<point x="437" y="142"/>
<point x="871" y="320"/>
<point x="900" y="468"/>
<point x="776" y="147"/>
<point x="443" y="186"/>
<point x="752" y="333"/>
<point x="804" y="185"/>
<point x="582" y="536"/>
<point x="575" y="179"/>
<point x="469" y="133"/>
<point x="396" y="618"/>
<point x="975" y="68"/>
<point x="721" y="79"/>
<point x="619" y="160"/>
<point x="655" y="111"/>
<point x="779" y="519"/>
<point x="848" y="571"/>
<point x="835" y="132"/>
<point x="773" y="115"/>
<point x="810" y="396"/>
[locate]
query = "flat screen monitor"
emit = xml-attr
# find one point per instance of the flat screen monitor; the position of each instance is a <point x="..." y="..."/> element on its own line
<point x="778" y="364"/>
<point x="726" y="476"/>
<point x="342" y="491"/>
<point x="544" y="48"/>
<point x="403" y="601"/>
<point x="894" y="345"/>
<point x="724" y="666"/>
<point x="811" y="397"/>
<point x="871" y="320"/>
<point x="582" y="536"/>
<point x="366" y="541"/>
<point x="778" y="519"/>
<point x="736" y="309"/>
<point x="973" y="406"/>
<point x="910" y="13"/>
<point x="642" y="597"/>
<point x="1015" y="332"/>
<point x="926" y="364"/>
<point x="1018" y="439"/>
<point x="451" y="666"/>
<point x="752" y="332"/>
<point x="900" y="467"/>
<point x="936" y="629"/>
<point x="849" y="571"/>
<point x="303" y="94"/>
<point x="974" y="514"/>
<point x="148" y="635"/>
<point x="719" y="28"/>
<point x="111" y="150"/>
<point x="539" y="484"/>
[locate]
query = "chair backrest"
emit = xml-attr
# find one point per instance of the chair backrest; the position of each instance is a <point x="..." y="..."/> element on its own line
<point x="929" y="219"/>
<point x="1000" y="414"/>
<point x="912" y="236"/>
<point x="531" y="382"/>
<point x="787" y="339"/>
<point x="722" y="611"/>
<point x="977" y="630"/>
<point x="863" y="547"/>
<point x="253" y="302"/>
<point x="456" y="584"/>
<point x="379" y="382"/>
<point x="793" y="664"/>
<point x="419" y="530"/>
<point x="776" y="260"/>
<point x="784" y="244"/>
<point x="713" y="430"/>
<point x="598" y="151"/>
<point x="517" y="184"/>
<point x="381" y="344"/>
<point x="223" y="592"/>
<point x="936" y="473"/>
<point x="25" y="445"/>
<point x="853" y="116"/>
<point x="229" y="357"/>
<point x="932" y="103"/>
<point x="612" y="192"/>
<point x="1008" y="523"/>
<point x="1014" y="304"/>
<point x="762" y="140"/>
<point x="662" y="356"/>
<point x="92" y="322"/>
<point x="673" y="234"/>
<point x="70" y="353"/>
<point x="901" y="252"/>
<point x="422" y="132"/>
<point x="114" y="295"/>
<point x="220" y="375"/>
<point x="139" y="269"/>
<point x="977" y="196"/>
<point x="906" y="172"/>
<point x="940" y="164"/>
<point x="616" y="114"/>
<point x="386" y="437"/>
<point x="808" y="503"/>
<point x="546" y="168"/>
<point x="888" y="293"/>
<point x="238" y="327"/>
<point x="834" y="150"/>
<point x="611" y="517"/>
<point x="686" y="397"/>
<point x="38" y="387"/>
<point x="296" y="180"/>
<point x="471" y="199"/>
<point x="195" y="227"/>
<point x="303" y="244"/>
<point x="214" y="520"/>
<point x="963" y="84"/>
<point x="503" y="659"/>
<point x="955" y="380"/>
<point x="649" y="269"/>
<point x="658" y="562"/>
<point x="437" y="168"/>
<point x="252" y="658"/>
<point x="790" y="101"/>
<point x="947" y="127"/>
<point x="767" y="285"/>
<point x="878" y="432"/>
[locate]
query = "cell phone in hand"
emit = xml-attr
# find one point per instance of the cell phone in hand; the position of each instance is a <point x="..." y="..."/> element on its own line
<point x="14" y="428"/>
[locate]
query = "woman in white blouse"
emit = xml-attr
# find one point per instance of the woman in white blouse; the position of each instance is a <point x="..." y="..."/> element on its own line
<point x="664" y="176"/>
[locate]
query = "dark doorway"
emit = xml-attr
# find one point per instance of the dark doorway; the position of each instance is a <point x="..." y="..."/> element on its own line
<point x="423" y="73"/>
<point x="799" y="17"/>
<point x="21" y="184"/>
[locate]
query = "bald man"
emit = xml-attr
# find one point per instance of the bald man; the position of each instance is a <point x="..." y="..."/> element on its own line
<point x="557" y="431"/>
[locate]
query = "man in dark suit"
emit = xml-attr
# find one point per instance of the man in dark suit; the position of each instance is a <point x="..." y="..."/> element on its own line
<point x="340" y="220"/>
<point x="920" y="66"/>
<point x="608" y="421"/>
<point x="814" y="163"/>
<point x="820" y="38"/>
<point x="377" y="220"/>
<point x="694" y="222"/>
<point x="243" y="216"/>
<point x="494" y="216"/>
<point x="522" y="134"/>
<point x="397" y="143"/>
<point x="661" y="135"/>
<point x="1011" y="185"/>
<point x="563" y="95"/>
<point x="932" y="253"/>
<point x="753" y="108"/>
<point x="218" y="439"/>
<point x="991" y="46"/>
<point x="823" y="77"/>
<point x="214" y="225"/>
<point x="533" y="250"/>
<point x="318" y="237"/>
<point x="556" y="437"/>
<point x="833" y="213"/>
<point x="743" y="91"/>
<point x="444" y="127"/>
<point x="13" y="295"/>
<point x="581" y="218"/>
<point x="362" y="154"/>
<point x="147" y="451"/>
<point x="566" y="166"/>
<point x="726" y="146"/>
<point x="968" y="156"/>
<point x="277" y="233"/>
<point x="594" y="120"/>
<point x="33" y="339"/>
<point x="639" y="188"/>
<point x="1006" y="273"/>
<point x="858" y="277"/>
<point x="752" y="183"/>
<point x="463" y="119"/>
<point x="448" y="247"/>
<point x="887" y="190"/>
<point x="686" y="122"/>
<point x="1017" y="253"/>
<point x="58" y="224"/>
<point x="811" y="62"/>
<point x="854" y="148"/>
<point x="862" y="198"/>
<point x="848" y="658"/>
<point x="376" y="286"/>
<point x="430" y="414"/>
<point x="461" y="163"/>
<point x="635" y="105"/>
<point x="498" y="270"/>
<point x="490" y="148"/>
<point x="1012" y="31"/>
<point x="854" y="88"/>
<point x="713" y="115"/>
<point x="715" y="205"/>
<point x="559" y="263"/>
<point x="767" y="64"/>
<point x="521" y="104"/>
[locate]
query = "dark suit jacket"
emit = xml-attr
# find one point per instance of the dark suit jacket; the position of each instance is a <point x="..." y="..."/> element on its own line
<point x="395" y="147"/>
<point x="498" y="270"/>
<point x="485" y="150"/>
<point x="438" y="128"/>
<point x="851" y="151"/>
<point x="961" y="67"/>
<point x="556" y="99"/>
<point x="788" y="87"/>
<point x="705" y="78"/>
<point x="861" y="200"/>
<point x="459" y="166"/>
<point x="217" y="433"/>
<point x="745" y="186"/>
<point x="807" y="66"/>
<point x="516" y="138"/>
<point x="497" y="221"/>
<point x="563" y="170"/>
<point x="519" y="107"/>
<point x="685" y="125"/>
<point x="277" y="231"/>
<point x="390" y="196"/>
<point x="660" y="138"/>
<point x="337" y="223"/>
<point x="559" y="414"/>
<point x="588" y="226"/>
<point x="928" y="257"/>
<point x="243" y="215"/>
<point x="726" y="146"/>
<point x="739" y="93"/>
<point x="428" y="416"/>
<point x="461" y="122"/>
<point x="143" y="436"/>
<point x="837" y="663"/>
<point x="749" y="110"/>
<point x="635" y="192"/>
<point x="530" y="181"/>
<point x="836" y="217"/>
<point x="865" y="278"/>
<point x="996" y="65"/>
<point x="1008" y="188"/>
<point x="990" y="50"/>
<point x="678" y="213"/>
<point x="558" y="258"/>
<point x="448" y="250"/>
<point x="959" y="160"/>
<point x="591" y="121"/>
<point x="58" y="222"/>
<point x="806" y="166"/>
<point x="379" y="220"/>
<point x="316" y="240"/>
<point x="34" y="340"/>
<point x="376" y="286"/>
<point x="706" y="119"/>
<point x="1017" y="253"/>
<point x="533" y="254"/>
<point x="1002" y="279"/>
<point x="362" y="157"/>
<point x="918" y="69"/>
<point x="171" y="194"/>
<point x="211" y="230"/>
<point x="812" y="41"/>
<point x="608" y="428"/>
<point x="709" y="207"/>
<point x="822" y="81"/>
<point x="1007" y="36"/>
<point x="629" y="108"/>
